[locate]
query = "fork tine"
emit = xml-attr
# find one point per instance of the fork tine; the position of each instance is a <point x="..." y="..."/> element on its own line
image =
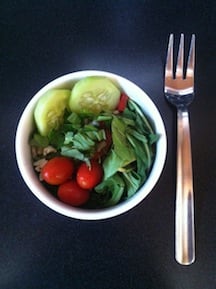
<point x="169" y="60"/>
<point x="180" y="61"/>
<point x="191" y="58"/>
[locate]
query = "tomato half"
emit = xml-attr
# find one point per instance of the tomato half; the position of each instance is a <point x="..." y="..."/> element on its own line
<point x="57" y="170"/>
<point x="89" y="176"/>
<point x="71" y="193"/>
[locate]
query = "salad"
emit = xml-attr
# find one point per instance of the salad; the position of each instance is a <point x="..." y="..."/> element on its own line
<point x="92" y="145"/>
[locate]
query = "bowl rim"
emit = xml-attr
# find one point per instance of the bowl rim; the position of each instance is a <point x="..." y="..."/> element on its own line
<point x="37" y="188"/>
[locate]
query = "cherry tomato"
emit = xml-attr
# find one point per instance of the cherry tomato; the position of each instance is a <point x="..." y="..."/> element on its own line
<point x="57" y="170"/>
<point x="89" y="176"/>
<point x="71" y="193"/>
<point x="123" y="102"/>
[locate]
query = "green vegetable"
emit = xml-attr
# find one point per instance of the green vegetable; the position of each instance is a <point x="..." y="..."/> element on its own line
<point x="132" y="154"/>
<point x="121" y="144"/>
<point x="49" y="111"/>
<point x="111" y="190"/>
<point x="132" y="181"/>
<point x="77" y="134"/>
<point x="94" y="94"/>
<point x="39" y="140"/>
<point x="80" y="143"/>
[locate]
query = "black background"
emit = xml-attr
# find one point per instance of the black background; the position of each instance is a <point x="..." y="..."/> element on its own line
<point x="41" y="40"/>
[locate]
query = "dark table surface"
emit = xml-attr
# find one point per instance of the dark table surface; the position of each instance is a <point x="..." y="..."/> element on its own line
<point x="41" y="40"/>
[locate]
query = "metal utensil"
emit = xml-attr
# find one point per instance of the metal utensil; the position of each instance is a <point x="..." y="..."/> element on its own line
<point x="179" y="91"/>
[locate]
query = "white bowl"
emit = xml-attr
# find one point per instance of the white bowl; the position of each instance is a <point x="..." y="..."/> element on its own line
<point x="23" y="151"/>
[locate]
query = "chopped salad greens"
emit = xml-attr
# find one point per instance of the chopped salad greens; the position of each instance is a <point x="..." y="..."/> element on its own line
<point x="121" y="141"/>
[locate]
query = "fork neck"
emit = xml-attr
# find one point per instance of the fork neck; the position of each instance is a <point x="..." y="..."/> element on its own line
<point x="180" y="101"/>
<point x="182" y="114"/>
<point x="182" y="108"/>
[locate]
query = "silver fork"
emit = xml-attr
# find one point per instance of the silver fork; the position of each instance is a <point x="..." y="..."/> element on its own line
<point x="179" y="91"/>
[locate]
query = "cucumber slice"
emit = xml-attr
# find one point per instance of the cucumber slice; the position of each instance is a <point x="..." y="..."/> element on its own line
<point x="49" y="110"/>
<point x="94" y="94"/>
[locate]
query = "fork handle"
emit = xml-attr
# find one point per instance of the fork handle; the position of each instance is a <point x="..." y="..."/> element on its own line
<point x="184" y="218"/>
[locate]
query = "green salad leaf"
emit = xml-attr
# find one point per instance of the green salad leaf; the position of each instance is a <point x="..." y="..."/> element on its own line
<point x="82" y="143"/>
<point x="132" y="181"/>
<point x="132" y="153"/>
<point x="111" y="190"/>
<point x="38" y="140"/>
<point x="128" y="162"/>
<point x="120" y="142"/>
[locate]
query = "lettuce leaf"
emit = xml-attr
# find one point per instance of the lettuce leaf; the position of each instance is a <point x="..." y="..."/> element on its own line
<point x="132" y="154"/>
<point x="111" y="190"/>
<point x="132" y="181"/>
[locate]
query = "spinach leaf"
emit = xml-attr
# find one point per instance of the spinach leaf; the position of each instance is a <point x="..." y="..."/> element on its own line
<point x="153" y="138"/>
<point x="56" y="138"/>
<point x="82" y="143"/>
<point x="120" y="142"/>
<point x="74" y="153"/>
<point x="112" y="190"/>
<point x="140" y="116"/>
<point x="132" y="153"/>
<point x="133" y="181"/>
<point x="112" y="164"/>
<point x="142" y="152"/>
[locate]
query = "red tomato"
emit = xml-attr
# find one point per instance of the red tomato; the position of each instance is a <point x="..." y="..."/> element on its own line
<point x="89" y="177"/>
<point x="71" y="193"/>
<point x="57" y="170"/>
<point x="123" y="102"/>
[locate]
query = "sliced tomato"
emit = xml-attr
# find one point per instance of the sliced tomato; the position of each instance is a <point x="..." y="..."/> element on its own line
<point x="122" y="102"/>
